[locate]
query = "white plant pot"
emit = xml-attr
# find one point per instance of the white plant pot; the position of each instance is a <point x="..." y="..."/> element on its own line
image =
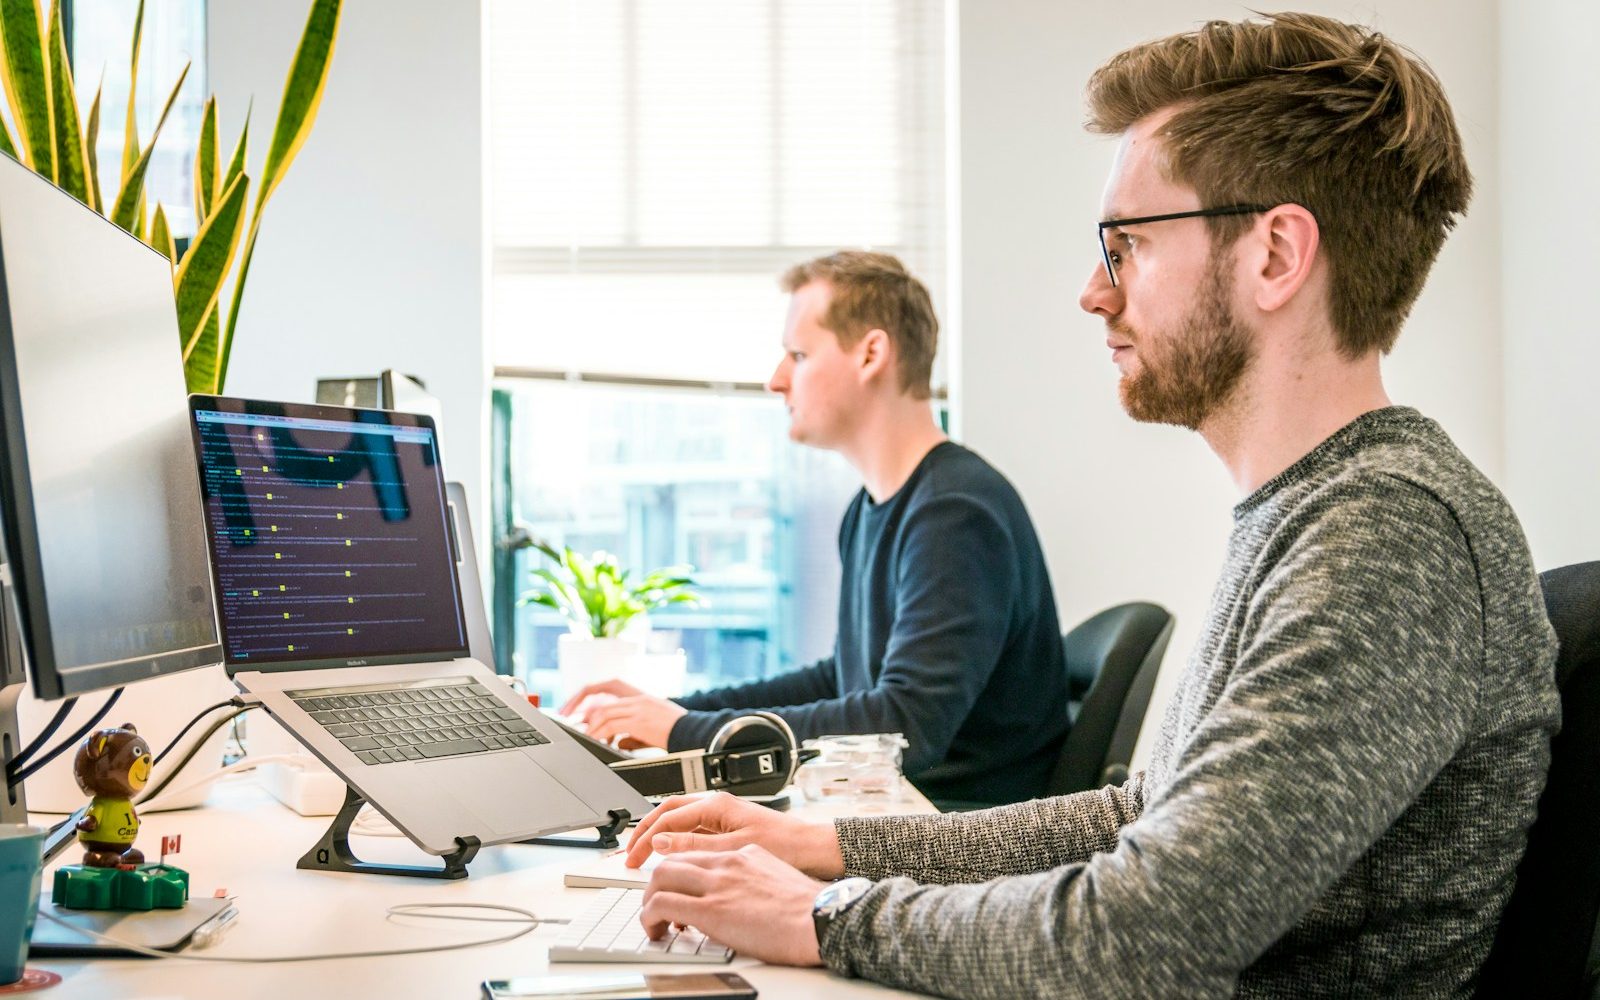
<point x="659" y="674"/>
<point x="584" y="660"/>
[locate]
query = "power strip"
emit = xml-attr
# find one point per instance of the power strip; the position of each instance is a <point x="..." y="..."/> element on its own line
<point x="304" y="785"/>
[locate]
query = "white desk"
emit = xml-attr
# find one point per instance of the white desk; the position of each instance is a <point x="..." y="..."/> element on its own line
<point x="247" y="843"/>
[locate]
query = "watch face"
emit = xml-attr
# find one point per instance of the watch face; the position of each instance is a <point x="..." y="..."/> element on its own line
<point x="837" y="897"/>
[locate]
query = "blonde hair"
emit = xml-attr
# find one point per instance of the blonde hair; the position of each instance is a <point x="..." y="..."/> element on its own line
<point x="874" y="291"/>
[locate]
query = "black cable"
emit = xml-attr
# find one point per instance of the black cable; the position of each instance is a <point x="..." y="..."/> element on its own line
<point x="172" y="772"/>
<point x="13" y="779"/>
<point x="234" y="701"/>
<point x="21" y="759"/>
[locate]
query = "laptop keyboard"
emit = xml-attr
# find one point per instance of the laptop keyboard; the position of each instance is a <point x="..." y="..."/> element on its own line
<point x="419" y="723"/>
<point x="608" y="930"/>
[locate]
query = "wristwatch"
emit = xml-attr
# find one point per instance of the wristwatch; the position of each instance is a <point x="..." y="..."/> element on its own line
<point x="834" y="899"/>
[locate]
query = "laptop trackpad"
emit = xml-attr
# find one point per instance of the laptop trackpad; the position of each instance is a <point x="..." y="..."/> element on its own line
<point x="509" y="793"/>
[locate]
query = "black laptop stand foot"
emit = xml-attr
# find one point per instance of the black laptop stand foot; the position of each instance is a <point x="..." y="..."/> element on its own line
<point x="332" y="852"/>
<point x="608" y="833"/>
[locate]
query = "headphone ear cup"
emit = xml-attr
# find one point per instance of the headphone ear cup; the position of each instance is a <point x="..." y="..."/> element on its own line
<point x="755" y="730"/>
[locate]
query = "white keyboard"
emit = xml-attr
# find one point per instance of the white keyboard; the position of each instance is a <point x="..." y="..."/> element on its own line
<point x="608" y="930"/>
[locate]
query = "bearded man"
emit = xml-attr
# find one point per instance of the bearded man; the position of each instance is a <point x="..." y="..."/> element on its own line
<point x="1344" y="781"/>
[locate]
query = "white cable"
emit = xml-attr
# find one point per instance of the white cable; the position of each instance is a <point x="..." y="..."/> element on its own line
<point x="402" y="910"/>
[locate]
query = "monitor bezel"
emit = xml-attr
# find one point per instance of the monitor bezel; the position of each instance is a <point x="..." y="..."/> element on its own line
<point x="19" y="526"/>
<point x="322" y="411"/>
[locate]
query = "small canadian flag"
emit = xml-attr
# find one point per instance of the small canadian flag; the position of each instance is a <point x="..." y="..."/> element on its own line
<point x="171" y="845"/>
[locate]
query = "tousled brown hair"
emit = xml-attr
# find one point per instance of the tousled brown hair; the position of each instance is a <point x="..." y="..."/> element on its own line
<point x="1296" y="108"/>
<point x="874" y="291"/>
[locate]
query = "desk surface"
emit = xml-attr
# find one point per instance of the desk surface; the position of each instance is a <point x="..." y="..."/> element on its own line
<point x="245" y="842"/>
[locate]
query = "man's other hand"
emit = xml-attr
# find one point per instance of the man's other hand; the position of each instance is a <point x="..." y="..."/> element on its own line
<point x="613" y="687"/>
<point x="723" y="822"/>
<point x="746" y="899"/>
<point x="636" y="720"/>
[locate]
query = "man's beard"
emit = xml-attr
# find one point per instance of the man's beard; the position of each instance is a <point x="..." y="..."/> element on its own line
<point x="1195" y="369"/>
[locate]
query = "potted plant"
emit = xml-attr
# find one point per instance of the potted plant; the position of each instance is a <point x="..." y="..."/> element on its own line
<point x="607" y="617"/>
<point x="53" y="141"/>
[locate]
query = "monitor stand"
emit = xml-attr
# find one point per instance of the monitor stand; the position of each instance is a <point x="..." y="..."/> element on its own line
<point x="13" y="804"/>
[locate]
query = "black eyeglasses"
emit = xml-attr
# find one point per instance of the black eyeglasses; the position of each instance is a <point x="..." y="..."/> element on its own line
<point x="1112" y="260"/>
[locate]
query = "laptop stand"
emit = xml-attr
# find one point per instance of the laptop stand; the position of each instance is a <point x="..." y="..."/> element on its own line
<point x="607" y="833"/>
<point x="332" y="852"/>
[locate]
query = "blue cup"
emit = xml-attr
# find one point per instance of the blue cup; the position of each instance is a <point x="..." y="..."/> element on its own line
<point x="21" y="868"/>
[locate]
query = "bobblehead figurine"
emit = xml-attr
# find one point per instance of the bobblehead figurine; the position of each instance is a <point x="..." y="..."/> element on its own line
<point x="112" y="765"/>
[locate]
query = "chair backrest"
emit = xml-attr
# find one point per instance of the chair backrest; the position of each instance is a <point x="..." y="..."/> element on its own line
<point x="1112" y="661"/>
<point x="1547" y="939"/>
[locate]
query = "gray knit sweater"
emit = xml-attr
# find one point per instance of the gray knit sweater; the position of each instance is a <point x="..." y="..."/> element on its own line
<point x="1341" y="787"/>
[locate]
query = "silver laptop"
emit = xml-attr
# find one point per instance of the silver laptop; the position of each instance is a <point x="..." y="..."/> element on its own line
<point x="341" y="609"/>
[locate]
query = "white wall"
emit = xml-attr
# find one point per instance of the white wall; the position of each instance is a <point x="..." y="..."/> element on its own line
<point x="1130" y="511"/>
<point x="1550" y="146"/>
<point x="371" y="251"/>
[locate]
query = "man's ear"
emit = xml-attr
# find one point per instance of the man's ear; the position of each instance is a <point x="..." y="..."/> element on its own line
<point x="874" y="354"/>
<point x="1287" y="239"/>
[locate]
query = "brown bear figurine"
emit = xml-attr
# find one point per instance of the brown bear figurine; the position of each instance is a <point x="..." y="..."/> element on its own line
<point x="112" y="765"/>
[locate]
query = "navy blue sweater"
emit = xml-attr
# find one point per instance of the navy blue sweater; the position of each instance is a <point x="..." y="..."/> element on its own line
<point x="947" y="633"/>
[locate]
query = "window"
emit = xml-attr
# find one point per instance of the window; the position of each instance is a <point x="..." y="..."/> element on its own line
<point x="174" y="35"/>
<point x="654" y="165"/>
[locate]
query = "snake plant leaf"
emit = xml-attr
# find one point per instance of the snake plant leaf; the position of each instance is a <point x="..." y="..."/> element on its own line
<point x="129" y="207"/>
<point x="72" y="173"/>
<point x="7" y="146"/>
<point x="205" y="162"/>
<point x="130" y="128"/>
<point x="91" y="160"/>
<point x="302" y="95"/>
<point x="161" y="235"/>
<point x="200" y="276"/>
<point x="27" y="83"/>
<point x="240" y="151"/>
<point x="200" y="372"/>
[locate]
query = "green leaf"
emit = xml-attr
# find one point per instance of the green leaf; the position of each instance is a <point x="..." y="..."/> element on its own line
<point x="205" y="162"/>
<point x="161" y="235"/>
<point x="240" y="150"/>
<point x="302" y="94"/>
<point x="204" y="267"/>
<point x="130" y="127"/>
<point x="27" y="83"/>
<point x="7" y="145"/>
<point x="71" y="168"/>
<point x="129" y="209"/>
<point x="200" y="371"/>
<point x="91" y="136"/>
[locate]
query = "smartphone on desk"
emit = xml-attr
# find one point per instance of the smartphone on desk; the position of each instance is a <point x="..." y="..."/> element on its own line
<point x="623" y="986"/>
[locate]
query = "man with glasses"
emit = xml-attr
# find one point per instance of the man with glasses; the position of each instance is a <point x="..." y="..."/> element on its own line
<point x="1343" y="783"/>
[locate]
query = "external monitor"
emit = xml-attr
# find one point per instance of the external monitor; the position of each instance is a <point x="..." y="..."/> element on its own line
<point x="105" y="574"/>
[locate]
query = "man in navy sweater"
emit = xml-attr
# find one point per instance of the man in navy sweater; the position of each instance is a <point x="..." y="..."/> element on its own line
<point x="947" y="622"/>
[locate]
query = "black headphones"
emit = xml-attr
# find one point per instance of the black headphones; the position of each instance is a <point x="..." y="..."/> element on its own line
<point x="755" y="754"/>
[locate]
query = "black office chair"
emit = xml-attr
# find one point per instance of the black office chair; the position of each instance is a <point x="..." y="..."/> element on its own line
<point x="1547" y="941"/>
<point x="1112" y="661"/>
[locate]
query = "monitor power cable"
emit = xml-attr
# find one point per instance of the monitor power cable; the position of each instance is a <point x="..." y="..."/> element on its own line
<point x="49" y="730"/>
<point x="15" y="776"/>
<point x="239" y="708"/>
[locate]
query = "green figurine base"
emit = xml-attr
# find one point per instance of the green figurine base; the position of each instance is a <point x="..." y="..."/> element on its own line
<point x="146" y="887"/>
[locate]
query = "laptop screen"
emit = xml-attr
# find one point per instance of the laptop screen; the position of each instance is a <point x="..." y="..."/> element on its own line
<point x="328" y="535"/>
